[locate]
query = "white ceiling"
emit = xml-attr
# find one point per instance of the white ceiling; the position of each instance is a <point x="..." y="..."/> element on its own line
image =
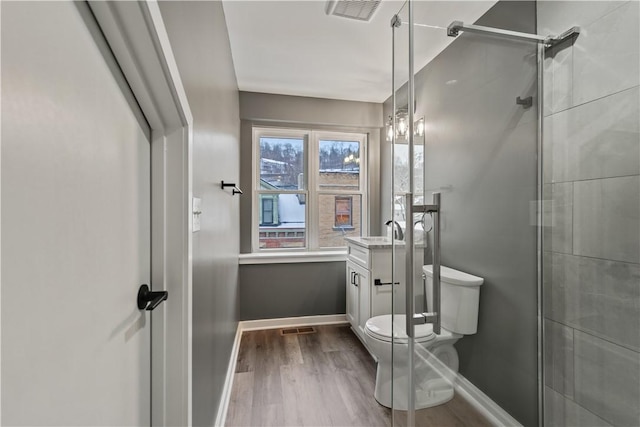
<point x="294" y="48"/>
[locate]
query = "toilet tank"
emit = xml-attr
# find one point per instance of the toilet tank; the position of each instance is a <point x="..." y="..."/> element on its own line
<point x="460" y="298"/>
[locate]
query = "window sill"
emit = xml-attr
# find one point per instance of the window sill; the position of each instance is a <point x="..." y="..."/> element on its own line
<point x="292" y="257"/>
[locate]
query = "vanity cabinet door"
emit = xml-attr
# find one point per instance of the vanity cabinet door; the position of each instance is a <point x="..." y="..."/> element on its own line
<point x="362" y="277"/>
<point x="353" y="294"/>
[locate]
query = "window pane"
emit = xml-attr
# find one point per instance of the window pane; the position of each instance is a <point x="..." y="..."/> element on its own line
<point x="282" y="221"/>
<point x="339" y="165"/>
<point x="401" y="183"/>
<point x="401" y="164"/>
<point x="344" y="206"/>
<point x="267" y="210"/>
<point x="281" y="163"/>
<point x="340" y="216"/>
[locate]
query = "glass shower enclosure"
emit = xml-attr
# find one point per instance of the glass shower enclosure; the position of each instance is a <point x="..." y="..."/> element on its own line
<point x="495" y="182"/>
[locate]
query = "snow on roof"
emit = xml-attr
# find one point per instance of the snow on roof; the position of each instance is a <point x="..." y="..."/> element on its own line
<point x="275" y="162"/>
<point x="290" y="209"/>
<point x="347" y="171"/>
<point x="287" y="226"/>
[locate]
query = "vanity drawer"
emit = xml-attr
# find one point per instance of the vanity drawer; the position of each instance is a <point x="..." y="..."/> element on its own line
<point x="359" y="255"/>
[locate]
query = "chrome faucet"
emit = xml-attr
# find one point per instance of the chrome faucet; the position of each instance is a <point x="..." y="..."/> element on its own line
<point x="397" y="229"/>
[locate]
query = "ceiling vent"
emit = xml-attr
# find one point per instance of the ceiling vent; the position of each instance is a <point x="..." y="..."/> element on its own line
<point x="361" y="10"/>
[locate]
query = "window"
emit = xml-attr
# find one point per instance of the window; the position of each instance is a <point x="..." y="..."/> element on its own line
<point x="401" y="182"/>
<point x="308" y="188"/>
<point x="343" y="212"/>
<point x="267" y="210"/>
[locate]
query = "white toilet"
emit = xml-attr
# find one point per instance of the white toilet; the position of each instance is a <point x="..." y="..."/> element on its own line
<point x="459" y="302"/>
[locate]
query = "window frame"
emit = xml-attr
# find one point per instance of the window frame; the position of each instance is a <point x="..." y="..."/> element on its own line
<point x="312" y="190"/>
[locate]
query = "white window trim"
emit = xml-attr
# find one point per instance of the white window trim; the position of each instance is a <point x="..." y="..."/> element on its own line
<point x="312" y="191"/>
<point x="287" y="257"/>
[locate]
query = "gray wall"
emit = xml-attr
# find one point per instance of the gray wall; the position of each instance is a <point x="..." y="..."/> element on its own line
<point x="592" y="222"/>
<point x="284" y="290"/>
<point x="291" y="290"/>
<point x="200" y="42"/>
<point x="481" y="147"/>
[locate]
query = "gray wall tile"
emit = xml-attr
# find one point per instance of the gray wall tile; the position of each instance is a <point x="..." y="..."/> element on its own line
<point x="591" y="136"/>
<point x="599" y="139"/>
<point x="606" y="221"/>
<point x="558" y="217"/>
<point x="557" y="16"/>
<point x="558" y="357"/>
<point x="563" y="412"/>
<point x="558" y="78"/>
<point x="606" y="55"/>
<point x="606" y="380"/>
<point x="559" y="300"/>
<point x="596" y="296"/>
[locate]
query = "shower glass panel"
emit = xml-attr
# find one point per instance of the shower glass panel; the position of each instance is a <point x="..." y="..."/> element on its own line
<point x="479" y="101"/>
<point x="398" y="114"/>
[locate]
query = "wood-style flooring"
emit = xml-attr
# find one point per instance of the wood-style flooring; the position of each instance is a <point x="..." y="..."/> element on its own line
<point x="325" y="378"/>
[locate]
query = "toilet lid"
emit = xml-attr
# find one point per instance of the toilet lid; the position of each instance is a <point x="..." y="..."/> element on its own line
<point x="380" y="327"/>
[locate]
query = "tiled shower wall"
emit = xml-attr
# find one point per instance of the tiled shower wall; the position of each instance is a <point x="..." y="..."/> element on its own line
<point x="591" y="189"/>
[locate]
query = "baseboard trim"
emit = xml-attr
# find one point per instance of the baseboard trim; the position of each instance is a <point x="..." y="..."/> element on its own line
<point x="483" y="403"/>
<point x="223" y="407"/>
<point x="284" y="322"/>
<point x="255" y="325"/>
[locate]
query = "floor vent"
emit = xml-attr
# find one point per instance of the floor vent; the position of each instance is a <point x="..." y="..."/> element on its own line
<point x="298" y="331"/>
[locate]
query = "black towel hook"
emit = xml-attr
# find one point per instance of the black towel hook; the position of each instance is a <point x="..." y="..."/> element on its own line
<point x="235" y="189"/>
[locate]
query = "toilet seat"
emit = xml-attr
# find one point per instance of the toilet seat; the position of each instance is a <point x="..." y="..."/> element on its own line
<point x="380" y="327"/>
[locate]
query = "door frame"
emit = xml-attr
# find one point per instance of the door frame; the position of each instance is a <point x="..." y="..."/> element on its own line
<point x="138" y="39"/>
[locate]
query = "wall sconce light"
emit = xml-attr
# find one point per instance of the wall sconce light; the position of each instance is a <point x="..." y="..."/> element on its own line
<point x="402" y="127"/>
<point x="390" y="129"/>
<point x="418" y="127"/>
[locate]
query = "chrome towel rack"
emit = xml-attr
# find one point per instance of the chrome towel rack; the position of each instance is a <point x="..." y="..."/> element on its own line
<point x="235" y="190"/>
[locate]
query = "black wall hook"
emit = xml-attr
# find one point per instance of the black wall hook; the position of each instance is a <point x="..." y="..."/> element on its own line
<point x="525" y="102"/>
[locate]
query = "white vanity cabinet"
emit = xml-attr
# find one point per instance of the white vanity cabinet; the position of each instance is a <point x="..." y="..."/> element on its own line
<point x="358" y="307"/>
<point x="369" y="289"/>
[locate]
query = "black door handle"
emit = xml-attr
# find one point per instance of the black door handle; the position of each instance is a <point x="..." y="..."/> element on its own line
<point x="378" y="282"/>
<point x="148" y="300"/>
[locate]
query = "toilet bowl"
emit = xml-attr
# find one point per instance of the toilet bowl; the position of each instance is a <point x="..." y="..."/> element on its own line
<point x="435" y="358"/>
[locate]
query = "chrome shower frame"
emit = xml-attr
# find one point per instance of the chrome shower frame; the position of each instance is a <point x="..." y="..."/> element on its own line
<point x="454" y="29"/>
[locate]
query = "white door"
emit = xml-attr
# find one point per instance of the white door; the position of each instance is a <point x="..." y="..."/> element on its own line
<point x="75" y="228"/>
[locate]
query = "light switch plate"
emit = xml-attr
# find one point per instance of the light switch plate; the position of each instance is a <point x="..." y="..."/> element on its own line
<point x="197" y="212"/>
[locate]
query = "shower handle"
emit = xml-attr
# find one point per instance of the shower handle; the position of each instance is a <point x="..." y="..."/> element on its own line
<point x="434" y="316"/>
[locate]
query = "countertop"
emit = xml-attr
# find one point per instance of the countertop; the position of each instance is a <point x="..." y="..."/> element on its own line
<point x="377" y="242"/>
